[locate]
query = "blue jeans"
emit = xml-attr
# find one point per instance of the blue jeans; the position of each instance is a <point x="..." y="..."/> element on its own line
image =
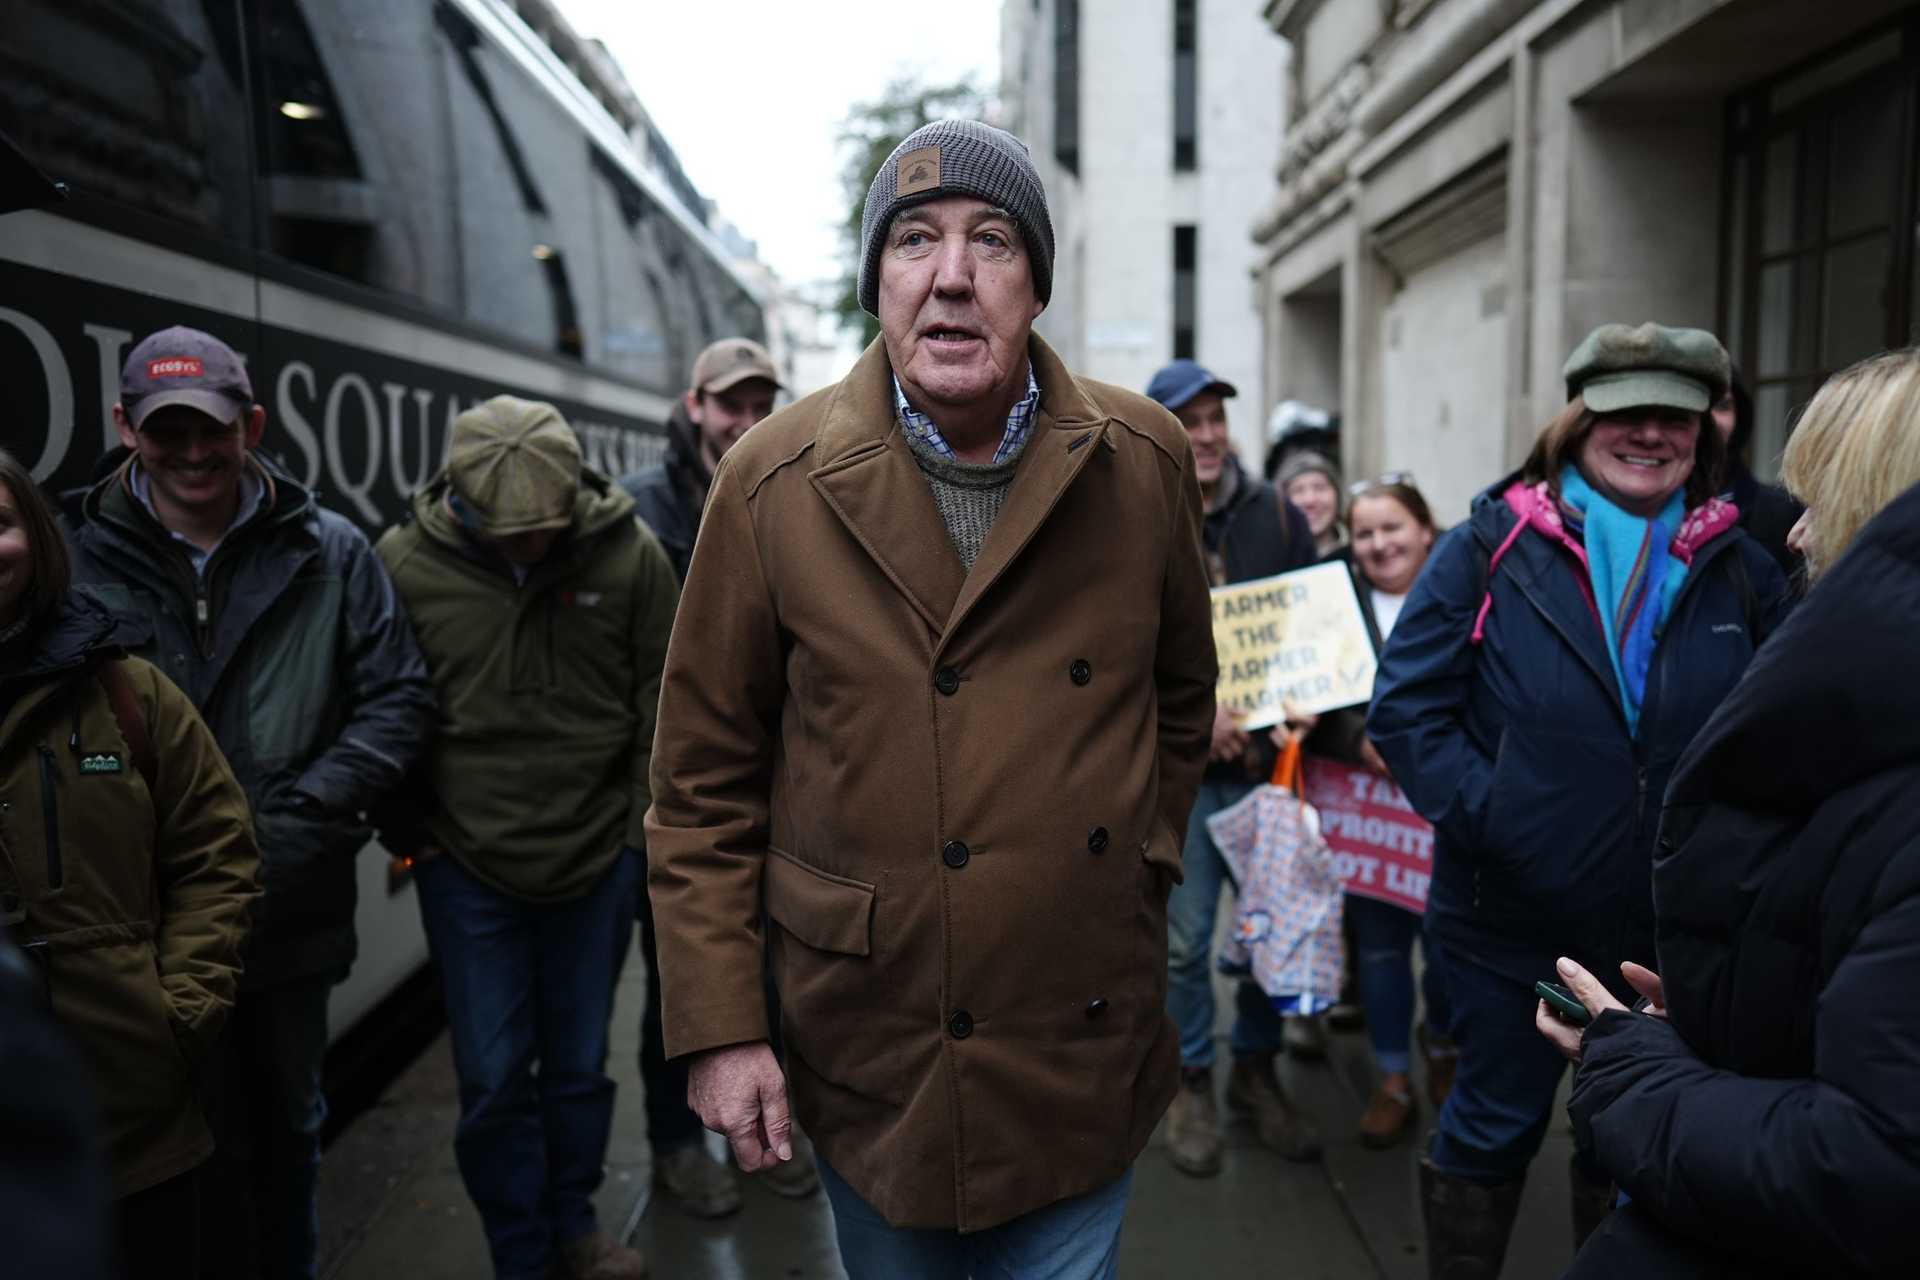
<point x="1077" y="1239"/>
<point x="1191" y="912"/>
<point x="1502" y="1101"/>
<point x="266" y="1111"/>
<point x="1383" y="937"/>
<point x="530" y="985"/>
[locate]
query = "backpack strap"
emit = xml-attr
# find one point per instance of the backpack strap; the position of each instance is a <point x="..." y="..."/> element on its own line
<point x="112" y="675"/>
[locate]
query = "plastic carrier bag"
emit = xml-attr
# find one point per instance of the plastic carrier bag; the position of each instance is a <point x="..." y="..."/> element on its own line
<point x="1286" y="931"/>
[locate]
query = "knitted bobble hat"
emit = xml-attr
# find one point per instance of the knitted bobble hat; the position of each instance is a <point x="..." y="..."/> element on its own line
<point x="957" y="158"/>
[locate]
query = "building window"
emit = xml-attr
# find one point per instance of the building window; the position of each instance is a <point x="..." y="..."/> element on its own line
<point x="1185" y="288"/>
<point x="1186" y="86"/>
<point x="1066" y="85"/>
<point x="1819" y="216"/>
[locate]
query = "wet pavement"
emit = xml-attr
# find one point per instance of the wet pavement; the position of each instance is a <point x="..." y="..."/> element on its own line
<point x="392" y="1204"/>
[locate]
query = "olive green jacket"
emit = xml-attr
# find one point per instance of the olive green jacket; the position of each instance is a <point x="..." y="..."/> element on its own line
<point x="135" y="900"/>
<point x="546" y="692"/>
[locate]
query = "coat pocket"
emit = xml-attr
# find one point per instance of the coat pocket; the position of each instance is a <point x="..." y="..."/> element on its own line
<point x="823" y="910"/>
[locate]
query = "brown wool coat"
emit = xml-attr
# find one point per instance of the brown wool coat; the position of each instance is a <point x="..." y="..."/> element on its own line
<point x="961" y="795"/>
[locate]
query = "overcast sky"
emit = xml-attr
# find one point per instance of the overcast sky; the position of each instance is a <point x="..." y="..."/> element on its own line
<point x="751" y="95"/>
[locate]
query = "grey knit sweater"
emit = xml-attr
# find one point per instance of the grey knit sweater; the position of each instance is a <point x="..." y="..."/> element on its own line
<point x="968" y="494"/>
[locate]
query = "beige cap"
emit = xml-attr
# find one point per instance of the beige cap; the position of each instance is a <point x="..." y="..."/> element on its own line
<point x="516" y="464"/>
<point x="730" y="362"/>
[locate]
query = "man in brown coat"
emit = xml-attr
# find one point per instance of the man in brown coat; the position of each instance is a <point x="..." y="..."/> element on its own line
<point x="939" y="698"/>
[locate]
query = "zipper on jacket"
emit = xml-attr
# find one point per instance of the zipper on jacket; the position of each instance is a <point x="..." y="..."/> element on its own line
<point x="50" y="811"/>
<point x="202" y="616"/>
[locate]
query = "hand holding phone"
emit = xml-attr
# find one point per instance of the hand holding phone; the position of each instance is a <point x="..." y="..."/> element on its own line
<point x="1565" y="1005"/>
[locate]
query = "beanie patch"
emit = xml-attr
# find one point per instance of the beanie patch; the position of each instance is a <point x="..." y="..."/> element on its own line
<point x="918" y="171"/>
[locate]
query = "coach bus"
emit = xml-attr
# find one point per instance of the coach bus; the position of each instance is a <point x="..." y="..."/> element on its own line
<point x="392" y="208"/>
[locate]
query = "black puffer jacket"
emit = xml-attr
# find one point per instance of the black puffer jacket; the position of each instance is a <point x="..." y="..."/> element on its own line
<point x="670" y="495"/>
<point x="1773" y="1129"/>
<point x="295" y="650"/>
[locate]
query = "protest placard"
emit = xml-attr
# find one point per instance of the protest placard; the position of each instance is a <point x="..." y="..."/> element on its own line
<point x="1381" y="848"/>
<point x="1294" y="638"/>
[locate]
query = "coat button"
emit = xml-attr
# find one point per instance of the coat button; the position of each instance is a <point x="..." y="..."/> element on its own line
<point x="1081" y="671"/>
<point x="1096" y="1008"/>
<point x="960" y="1025"/>
<point x="954" y="854"/>
<point x="1097" y="840"/>
<point x="947" y="681"/>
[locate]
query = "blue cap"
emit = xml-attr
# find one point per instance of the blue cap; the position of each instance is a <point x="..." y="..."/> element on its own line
<point x="1182" y="380"/>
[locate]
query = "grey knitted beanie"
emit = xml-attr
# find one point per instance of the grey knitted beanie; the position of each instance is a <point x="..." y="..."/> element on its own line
<point x="957" y="157"/>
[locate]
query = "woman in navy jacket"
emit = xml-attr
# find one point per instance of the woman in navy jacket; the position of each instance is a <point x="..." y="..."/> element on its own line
<point x="1770" y="1126"/>
<point x="1558" y="654"/>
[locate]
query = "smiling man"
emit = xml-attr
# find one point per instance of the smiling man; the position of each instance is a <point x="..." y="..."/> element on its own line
<point x="277" y="619"/>
<point x="1249" y="532"/>
<point x="939" y="696"/>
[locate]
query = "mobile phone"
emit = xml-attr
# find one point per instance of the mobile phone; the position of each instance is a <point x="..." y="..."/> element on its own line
<point x="1565" y="1005"/>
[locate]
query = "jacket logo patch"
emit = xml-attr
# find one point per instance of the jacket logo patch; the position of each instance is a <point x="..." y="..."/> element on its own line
<point x="175" y="367"/>
<point x="918" y="171"/>
<point x="1729" y="629"/>
<point x="584" y="599"/>
<point x="100" y="762"/>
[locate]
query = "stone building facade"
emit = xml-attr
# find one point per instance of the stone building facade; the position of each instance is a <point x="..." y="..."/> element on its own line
<point x="1468" y="186"/>
<point x="1153" y="124"/>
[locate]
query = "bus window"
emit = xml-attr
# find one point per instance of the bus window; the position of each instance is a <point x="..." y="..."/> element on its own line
<point x="353" y="154"/>
<point x="521" y="198"/>
<point x="134" y="107"/>
<point x="635" y="322"/>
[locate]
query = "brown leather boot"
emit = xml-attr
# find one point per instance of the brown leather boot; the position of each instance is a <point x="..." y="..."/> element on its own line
<point x="600" y="1257"/>
<point x="1193" y="1126"/>
<point x="1390" y="1114"/>
<point x="1253" y="1091"/>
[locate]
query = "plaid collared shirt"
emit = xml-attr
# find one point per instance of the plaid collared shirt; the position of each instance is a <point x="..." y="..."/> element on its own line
<point x="1019" y="422"/>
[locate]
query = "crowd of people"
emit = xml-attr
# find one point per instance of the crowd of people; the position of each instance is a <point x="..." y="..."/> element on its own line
<point x="891" y="720"/>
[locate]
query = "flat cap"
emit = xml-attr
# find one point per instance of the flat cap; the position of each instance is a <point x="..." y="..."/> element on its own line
<point x="516" y="464"/>
<point x="1621" y="366"/>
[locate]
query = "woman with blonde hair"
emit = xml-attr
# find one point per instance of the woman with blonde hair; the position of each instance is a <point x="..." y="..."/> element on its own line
<point x="1764" y="1119"/>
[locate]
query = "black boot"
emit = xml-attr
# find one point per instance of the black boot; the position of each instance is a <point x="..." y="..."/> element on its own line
<point x="1467" y="1224"/>
<point x="1591" y="1201"/>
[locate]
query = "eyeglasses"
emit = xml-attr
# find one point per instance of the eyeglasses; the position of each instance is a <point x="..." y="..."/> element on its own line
<point x="1362" y="487"/>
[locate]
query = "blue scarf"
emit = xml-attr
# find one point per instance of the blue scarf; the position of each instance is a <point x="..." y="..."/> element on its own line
<point x="1635" y="579"/>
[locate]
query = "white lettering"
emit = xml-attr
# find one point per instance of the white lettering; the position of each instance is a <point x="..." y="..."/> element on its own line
<point x="361" y="491"/>
<point x="59" y="378"/>
<point x="108" y="342"/>
<point x="403" y="484"/>
<point x="296" y="422"/>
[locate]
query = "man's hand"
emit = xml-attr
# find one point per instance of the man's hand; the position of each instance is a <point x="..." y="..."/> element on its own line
<point x="738" y="1091"/>
<point x="1370" y="757"/>
<point x="1229" y="739"/>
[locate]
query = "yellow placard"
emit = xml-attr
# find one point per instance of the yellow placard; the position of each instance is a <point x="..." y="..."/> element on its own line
<point x="1294" y="638"/>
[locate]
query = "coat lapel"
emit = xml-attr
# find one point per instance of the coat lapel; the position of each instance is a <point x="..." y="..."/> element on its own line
<point x="870" y="480"/>
<point x="1068" y="429"/>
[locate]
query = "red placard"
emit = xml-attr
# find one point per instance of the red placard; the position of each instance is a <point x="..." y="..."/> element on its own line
<point x="1381" y="848"/>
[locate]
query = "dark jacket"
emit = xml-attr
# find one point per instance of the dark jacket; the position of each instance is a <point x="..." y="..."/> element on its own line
<point x="1517" y="750"/>
<point x="305" y="670"/>
<point x="669" y="495"/>
<point x="136" y="897"/>
<point x="53" y="1180"/>
<point x="1767" y="513"/>
<point x="1773" y="1128"/>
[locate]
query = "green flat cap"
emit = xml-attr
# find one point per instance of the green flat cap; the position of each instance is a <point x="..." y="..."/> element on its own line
<point x="516" y="463"/>
<point x="1621" y="366"/>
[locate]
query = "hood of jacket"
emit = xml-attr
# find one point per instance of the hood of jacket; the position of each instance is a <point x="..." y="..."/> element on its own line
<point x="599" y="506"/>
<point x="81" y="631"/>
